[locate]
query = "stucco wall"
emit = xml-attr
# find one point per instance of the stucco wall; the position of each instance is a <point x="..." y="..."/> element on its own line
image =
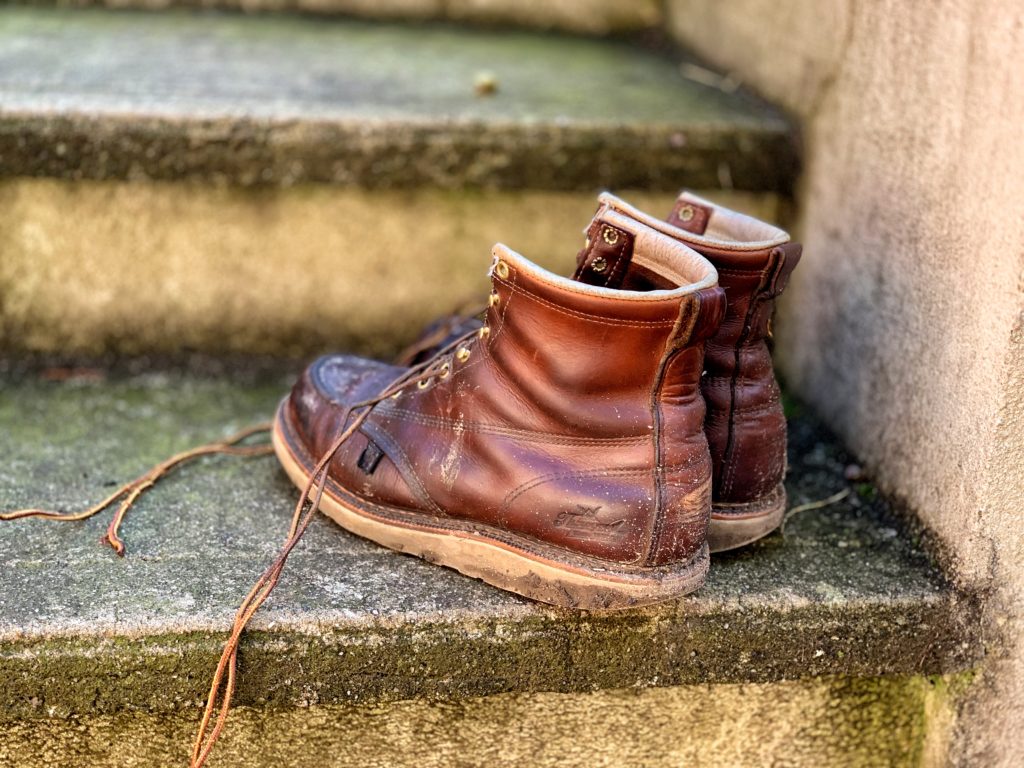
<point x="903" y="324"/>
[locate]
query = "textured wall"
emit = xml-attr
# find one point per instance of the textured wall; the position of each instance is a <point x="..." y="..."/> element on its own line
<point x="903" y="324"/>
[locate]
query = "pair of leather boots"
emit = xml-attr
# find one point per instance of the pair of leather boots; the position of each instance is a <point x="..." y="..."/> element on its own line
<point x="590" y="439"/>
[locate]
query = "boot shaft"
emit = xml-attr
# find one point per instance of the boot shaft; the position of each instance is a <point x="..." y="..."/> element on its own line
<point x="745" y="424"/>
<point x="585" y="357"/>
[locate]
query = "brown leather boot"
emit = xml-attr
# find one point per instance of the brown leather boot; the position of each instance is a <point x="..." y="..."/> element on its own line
<point x="556" y="451"/>
<point x="745" y="424"/>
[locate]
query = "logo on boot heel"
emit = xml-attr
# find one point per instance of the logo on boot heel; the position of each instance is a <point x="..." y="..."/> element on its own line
<point x="582" y="517"/>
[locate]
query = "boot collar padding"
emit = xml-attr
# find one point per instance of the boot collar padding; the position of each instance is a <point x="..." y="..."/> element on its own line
<point x="726" y="228"/>
<point x="664" y="255"/>
<point x="669" y="258"/>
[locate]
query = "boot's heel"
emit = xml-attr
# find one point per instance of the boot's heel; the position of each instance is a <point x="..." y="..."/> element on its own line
<point x="736" y="525"/>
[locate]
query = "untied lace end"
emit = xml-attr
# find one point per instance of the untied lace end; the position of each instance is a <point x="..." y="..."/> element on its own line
<point x="129" y="493"/>
<point x="225" y="675"/>
<point x="309" y="501"/>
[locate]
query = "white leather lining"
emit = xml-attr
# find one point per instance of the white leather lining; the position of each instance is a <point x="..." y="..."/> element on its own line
<point x="652" y="250"/>
<point x="662" y="254"/>
<point x="726" y="228"/>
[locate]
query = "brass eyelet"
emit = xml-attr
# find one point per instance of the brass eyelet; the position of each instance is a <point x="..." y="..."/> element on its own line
<point x="600" y="264"/>
<point x="493" y="299"/>
<point x="462" y="355"/>
<point x="396" y="395"/>
<point x="484" y="332"/>
<point x="501" y="270"/>
<point x="686" y="213"/>
<point x="610" y="236"/>
<point x="586" y="244"/>
<point x="423" y="383"/>
<point x="445" y="370"/>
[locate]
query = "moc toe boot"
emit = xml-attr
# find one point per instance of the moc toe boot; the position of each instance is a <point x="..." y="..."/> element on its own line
<point x="745" y="424"/>
<point x="557" y="451"/>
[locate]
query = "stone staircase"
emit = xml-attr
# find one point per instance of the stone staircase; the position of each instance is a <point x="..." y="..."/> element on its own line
<point x="227" y="183"/>
<point x="792" y="649"/>
<point x="252" y="186"/>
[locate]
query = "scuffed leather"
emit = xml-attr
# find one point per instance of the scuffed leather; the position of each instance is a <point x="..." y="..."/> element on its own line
<point x="745" y="423"/>
<point x="577" y="422"/>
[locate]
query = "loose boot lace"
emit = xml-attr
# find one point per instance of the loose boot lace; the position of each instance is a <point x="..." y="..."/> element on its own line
<point x="222" y="686"/>
<point x="309" y="501"/>
<point x="129" y="493"/>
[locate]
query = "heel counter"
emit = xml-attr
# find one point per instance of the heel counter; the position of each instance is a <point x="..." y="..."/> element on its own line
<point x="747" y="427"/>
<point x="752" y="459"/>
<point x="683" y="465"/>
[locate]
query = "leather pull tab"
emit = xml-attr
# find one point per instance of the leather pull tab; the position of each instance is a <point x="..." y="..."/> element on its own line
<point x="699" y="317"/>
<point x="710" y="313"/>
<point x="785" y="257"/>
<point x="605" y="257"/>
<point x="690" y="216"/>
<point x="370" y="458"/>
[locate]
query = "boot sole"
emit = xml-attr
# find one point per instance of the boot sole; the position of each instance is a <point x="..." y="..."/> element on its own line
<point x="505" y="560"/>
<point x="736" y="525"/>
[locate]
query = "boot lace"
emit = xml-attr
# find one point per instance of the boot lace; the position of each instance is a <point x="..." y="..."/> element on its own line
<point x="225" y="676"/>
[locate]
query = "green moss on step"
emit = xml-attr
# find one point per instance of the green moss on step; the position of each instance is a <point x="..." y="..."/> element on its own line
<point x="867" y="722"/>
<point x="272" y="101"/>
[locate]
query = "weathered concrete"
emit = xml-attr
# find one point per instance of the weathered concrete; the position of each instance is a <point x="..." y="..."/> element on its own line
<point x="888" y="723"/>
<point x="84" y="633"/>
<point x="90" y="268"/>
<point x="592" y="17"/>
<point x="904" y="322"/>
<point x="278" y="101"/>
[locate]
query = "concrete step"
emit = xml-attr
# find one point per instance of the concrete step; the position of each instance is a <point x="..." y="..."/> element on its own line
<point x="800" y="641"/>
<point x="255" y="100"/>
<point x="229" y="183"/>
<point x="590" y="17"/>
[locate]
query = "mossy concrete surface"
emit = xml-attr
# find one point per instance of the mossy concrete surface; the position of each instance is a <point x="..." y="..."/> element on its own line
<point x="91" y="268"/>
<point x="256" y="100"/>
<point x="83" y="633"/>
<point x="884" y="722"/>
<point x="594" y="17"/>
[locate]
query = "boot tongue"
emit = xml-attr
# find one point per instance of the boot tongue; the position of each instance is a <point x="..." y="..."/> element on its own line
<point x="605" y="257"/>
<point x="689" y="215"/>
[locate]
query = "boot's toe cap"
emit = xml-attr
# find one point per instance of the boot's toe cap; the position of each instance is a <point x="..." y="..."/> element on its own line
<point x="327" y="387"/>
